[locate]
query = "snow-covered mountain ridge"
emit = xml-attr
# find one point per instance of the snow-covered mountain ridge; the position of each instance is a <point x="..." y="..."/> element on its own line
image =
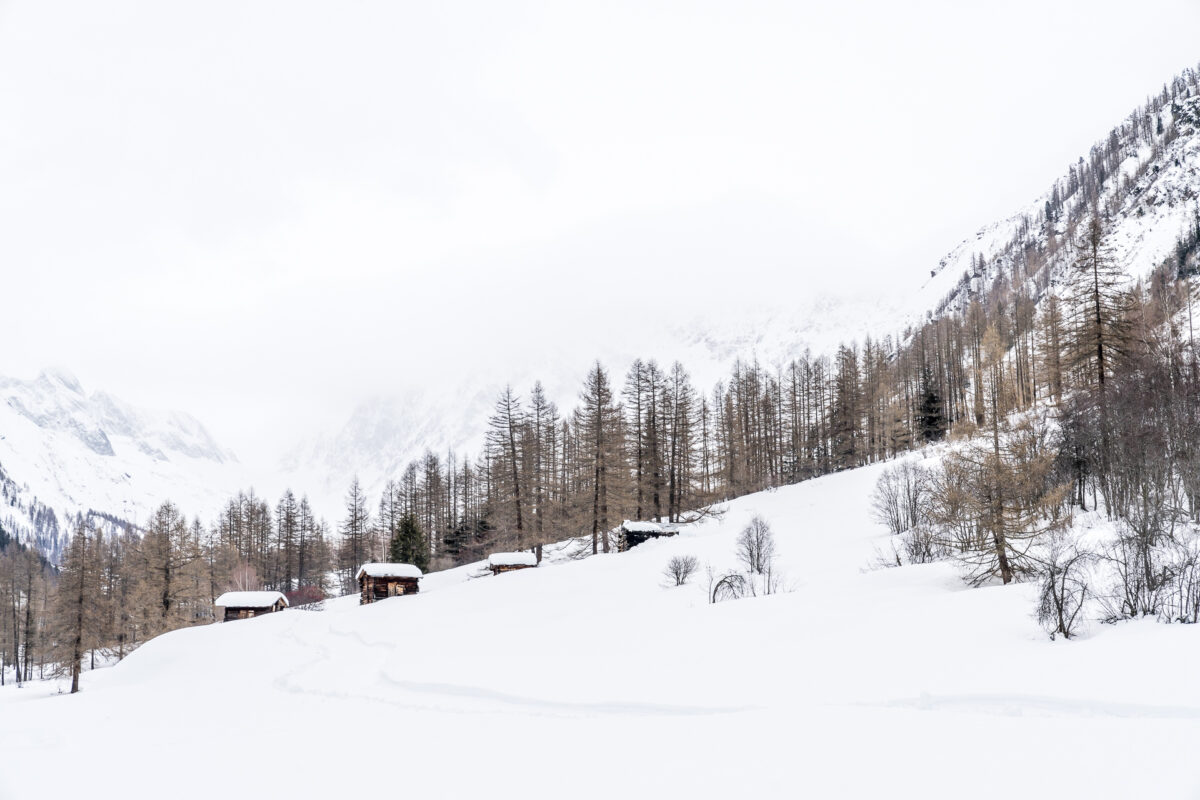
<point x="1148" y="175"/>
<point x="64" y="451"/>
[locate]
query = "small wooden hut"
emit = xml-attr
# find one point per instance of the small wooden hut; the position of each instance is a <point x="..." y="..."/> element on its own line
<point x="381" y="581"/>
<point x="632" y="533"/>
<point x="507" y="562"/>
<point x="244" y="605"/>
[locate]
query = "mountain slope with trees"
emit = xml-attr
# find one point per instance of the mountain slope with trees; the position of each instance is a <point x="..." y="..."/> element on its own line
<point x="1065" y="356"/>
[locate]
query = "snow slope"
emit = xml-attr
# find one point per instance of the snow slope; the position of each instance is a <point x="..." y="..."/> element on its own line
<point x="592" y="679"/>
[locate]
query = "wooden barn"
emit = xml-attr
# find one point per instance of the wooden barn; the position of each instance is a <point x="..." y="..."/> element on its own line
<point x="507" y="562"/>
<point x="632" y="533"/>
<point x="381" y="581"/>
<point x="244" y="605"/>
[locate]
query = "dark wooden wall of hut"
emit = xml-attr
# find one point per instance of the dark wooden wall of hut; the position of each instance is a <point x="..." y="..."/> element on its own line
<point x="496" y="570"/>
<point x="372" y="589"/>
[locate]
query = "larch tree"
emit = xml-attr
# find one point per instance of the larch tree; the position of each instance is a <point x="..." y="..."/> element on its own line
<point x="76" y="603"/>
<point x="506" y="437"/>
<point x="168" y="559"/>
<point x="543" y="426"/>
<point x="287" y="544"/>
<point x="355" y="530"/>
<point x="599" y="425"/>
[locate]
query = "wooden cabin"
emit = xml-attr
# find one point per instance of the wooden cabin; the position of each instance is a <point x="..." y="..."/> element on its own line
<point x="632" y="533"/>
<point x="245" y="605"/>
<point x="381" y="581"/>
<point x="507" y="562"/>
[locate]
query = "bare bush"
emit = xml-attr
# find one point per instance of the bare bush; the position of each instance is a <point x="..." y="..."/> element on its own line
<point x="1141" y="572"/>
<point x="680" y="568"/>
<point x="1064" y="587"/>
<point x="756" y="546"/>
<point x="1181" y="600"/>
<point x="307" y="597"/>
<point x="730" y="586"/>
<point x="921" y="545"/>
<point x="901" y="497"/>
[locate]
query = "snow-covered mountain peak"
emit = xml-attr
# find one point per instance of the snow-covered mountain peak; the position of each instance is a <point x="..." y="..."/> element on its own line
<point x="54" y="377"/>
<point x="55" y="401"/>
<point x="72" y="452"/>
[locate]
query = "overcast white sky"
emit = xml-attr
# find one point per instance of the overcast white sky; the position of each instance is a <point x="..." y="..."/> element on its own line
<point x="260" y="212"/>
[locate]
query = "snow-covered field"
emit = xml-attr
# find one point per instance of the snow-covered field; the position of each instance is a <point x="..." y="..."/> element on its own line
<point x="593" y="679"/>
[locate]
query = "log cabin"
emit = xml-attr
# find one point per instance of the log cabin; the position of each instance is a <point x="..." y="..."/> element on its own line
<point x="632" y="533"/>
<point x="245" y="605"/>
<point x="381" y="581"/>
<point x="508" y="562"/>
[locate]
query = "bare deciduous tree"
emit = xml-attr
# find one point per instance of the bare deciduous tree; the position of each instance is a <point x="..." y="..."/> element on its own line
<point x="901" y="497"/>
<point x="756" y="546"/>
<point x="244" y="578"/>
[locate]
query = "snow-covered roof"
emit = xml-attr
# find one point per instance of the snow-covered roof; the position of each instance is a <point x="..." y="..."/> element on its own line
<point x="388" y="571"/>
<point x="645" y="527"/>
<point x="512" y="560"/>
<point x="250" y="599"/>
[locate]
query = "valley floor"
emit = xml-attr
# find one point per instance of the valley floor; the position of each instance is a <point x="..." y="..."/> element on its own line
<point x="592" y="679"/>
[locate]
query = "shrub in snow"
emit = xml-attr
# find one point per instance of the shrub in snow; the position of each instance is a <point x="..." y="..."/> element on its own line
<point x="680" y="568"/>
<point x="1141" y="568"/>
<point x="921" y="545"/>
<point x="1064" y="587"/>
<point x="1154" y="575"/>
<point x="304" y="595"/>
<point x="730" y="586"/>
<point x="1182" y="601"/>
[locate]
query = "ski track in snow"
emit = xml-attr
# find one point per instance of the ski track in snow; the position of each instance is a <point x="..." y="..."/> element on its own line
<point x="476" y="693"/>
<point x="1010" y="705"/>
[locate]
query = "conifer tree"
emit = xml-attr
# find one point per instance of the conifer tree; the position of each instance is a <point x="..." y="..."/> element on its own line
<point x="76" y="603"/>
<point x="599" y="425"/>
<point x="931" y="417"/>
<point x="506" y="436"/>
<point x="355" y="530"/>
<point x="407" y="545"/>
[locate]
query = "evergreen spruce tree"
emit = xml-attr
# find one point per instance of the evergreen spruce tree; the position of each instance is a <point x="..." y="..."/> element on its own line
<point x="408" y="544"/>
<point x="931" y="418"/>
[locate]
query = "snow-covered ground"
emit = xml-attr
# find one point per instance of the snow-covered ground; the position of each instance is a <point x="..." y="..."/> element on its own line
<point x="594" y="679"/>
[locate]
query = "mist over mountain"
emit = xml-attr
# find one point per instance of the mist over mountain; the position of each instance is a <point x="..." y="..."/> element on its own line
<point x="1148" y="169"/>
<point x="66" y="450"/>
